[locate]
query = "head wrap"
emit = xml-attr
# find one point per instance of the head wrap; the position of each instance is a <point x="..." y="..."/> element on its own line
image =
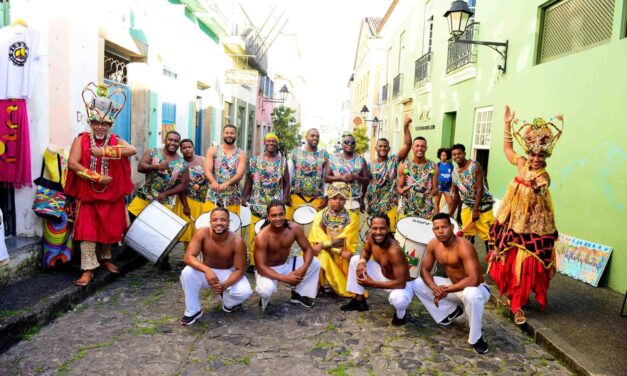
<point x="271" y="136"/>
<point x="539" y="136"/>
<point x="339" y="189"/>
<point x="100" y="104"/>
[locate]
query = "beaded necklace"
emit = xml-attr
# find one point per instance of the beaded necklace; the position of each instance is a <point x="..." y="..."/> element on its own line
<point x="335" y="221"/>
<point x="93" y="162"/>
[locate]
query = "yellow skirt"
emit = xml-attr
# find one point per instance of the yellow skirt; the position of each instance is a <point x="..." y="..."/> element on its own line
<point x="137" y="205"/>
<point x="297" y="202"/>
<point x="210" y="205"/>
<point x="251" y="237"/>
<point x="481" y="227"/>
<point x="196" y="209"/>
<point x="333" y="272"/>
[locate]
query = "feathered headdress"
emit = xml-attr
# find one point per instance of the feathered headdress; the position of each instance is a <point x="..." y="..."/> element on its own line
<point x="539" y="135"/>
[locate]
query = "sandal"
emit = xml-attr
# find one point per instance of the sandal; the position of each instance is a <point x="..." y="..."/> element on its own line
<point x="519" y="317"/>
<point x="109" y="266"/>
<point x="85" y="279"/>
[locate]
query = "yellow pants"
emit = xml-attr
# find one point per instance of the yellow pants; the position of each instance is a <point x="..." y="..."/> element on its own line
<point x="251" y="237"/>
<point x="137" y="205"/>
<point x="210" y="205"/>
<point x="195" y="208"/>
<point x="297" y="202"/>
<point x="394" y="218"/>
<point x="334" y="271"/>
<point x="481" y="226"/>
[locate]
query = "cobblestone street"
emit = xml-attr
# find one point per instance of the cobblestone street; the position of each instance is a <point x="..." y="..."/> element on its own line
<point x="132" y="328"/>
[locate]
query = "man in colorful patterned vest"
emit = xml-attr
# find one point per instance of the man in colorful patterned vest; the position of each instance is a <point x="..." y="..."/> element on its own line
<point x="99" y="178"/>
<point x="418" y="183"/>
<point x="309" y="164"/>
<point x="351" y="169"/>
<point x="381" y="195"/>
<point x="225" y="166"/>
<point x="471" y="187"/>
<point x="167" y="175"/>
<point x="268" y="179"/>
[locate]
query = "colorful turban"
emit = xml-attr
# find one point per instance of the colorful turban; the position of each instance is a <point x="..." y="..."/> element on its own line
<point x="339" y="189"/>
<point x="271" y="136"/>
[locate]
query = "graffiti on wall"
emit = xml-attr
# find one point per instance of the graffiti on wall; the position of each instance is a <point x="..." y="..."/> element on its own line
<point x="581" y="259"/>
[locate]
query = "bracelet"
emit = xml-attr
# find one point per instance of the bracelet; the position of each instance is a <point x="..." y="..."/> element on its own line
<point x="327" y="244"/>
<point x="88" y="174"/>
<point x="112" y="152"/>
<point x="362" y="261"/>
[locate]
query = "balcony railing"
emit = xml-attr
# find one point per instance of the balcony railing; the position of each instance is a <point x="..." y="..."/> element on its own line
<point x="422" y="71"/>
<point x="384" y="93"/>
<point x="461" y="54"/>
<point x="396" y="85"/>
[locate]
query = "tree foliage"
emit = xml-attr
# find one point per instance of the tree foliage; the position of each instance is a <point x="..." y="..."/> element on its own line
<point x="286" y="128"/>
<point x="361" y="140"/>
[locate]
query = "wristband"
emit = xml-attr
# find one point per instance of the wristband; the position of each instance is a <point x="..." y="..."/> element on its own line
<point x="88" y="174"/>
<point x="112" y="152"/>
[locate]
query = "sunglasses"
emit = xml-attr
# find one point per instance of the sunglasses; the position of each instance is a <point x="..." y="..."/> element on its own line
<point x="350" y="143"/>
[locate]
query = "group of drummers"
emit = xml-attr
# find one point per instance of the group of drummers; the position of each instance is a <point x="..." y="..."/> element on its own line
<point x="306" y="213"/>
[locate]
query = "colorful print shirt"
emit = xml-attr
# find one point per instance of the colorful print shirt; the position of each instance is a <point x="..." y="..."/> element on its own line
<point x="267" y="185"/>
<point x="340" y="167"/>
<point x="466" y="184"/>
<point x="381" y="195"/>
<point x="418" y="200"/>
<point x="308" y="172"/>
<point x="224" y="167"/>
<point x="198" y="183"/>
<point x="160" y="181"/>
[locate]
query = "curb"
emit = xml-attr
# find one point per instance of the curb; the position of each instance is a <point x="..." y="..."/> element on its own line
<point x="48" y="308"/>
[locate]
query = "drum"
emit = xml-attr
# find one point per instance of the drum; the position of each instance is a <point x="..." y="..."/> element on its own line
<point x="245" y="215"/>
<point x="204" y="220"/>
<point x="352" y="205"/>
<point x="304" y="216"/>
<point x="155" y="232"/>
<point x="258" y="225"/>
<point x="413" y="234"/>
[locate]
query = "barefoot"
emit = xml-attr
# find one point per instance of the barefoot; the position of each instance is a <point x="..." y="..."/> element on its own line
<point x="84" y="280"/>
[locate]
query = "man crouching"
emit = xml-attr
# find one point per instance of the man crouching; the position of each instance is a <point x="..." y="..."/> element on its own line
<point x="272" y="250"/>
<point x="382" y="265"/>
<point x="222" y="267"/>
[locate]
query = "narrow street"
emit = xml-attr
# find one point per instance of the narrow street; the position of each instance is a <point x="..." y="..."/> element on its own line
<point x="131" y="327"/>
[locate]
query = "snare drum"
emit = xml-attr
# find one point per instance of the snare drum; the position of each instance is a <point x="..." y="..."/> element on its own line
<point x="304" y="216"/>
<point x="352" y="205"/>
<point x="155" y="232"/>
<point x="204" y="220"/>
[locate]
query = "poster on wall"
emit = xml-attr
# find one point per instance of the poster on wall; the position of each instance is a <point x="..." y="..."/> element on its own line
<point x="165" y="128"/>
<point x="581" y="259"/>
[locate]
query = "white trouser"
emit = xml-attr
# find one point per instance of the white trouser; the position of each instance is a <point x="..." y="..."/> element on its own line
<point x="307" y="287"/>
<point x="473" y="299"/>
<point x="193" y="280"/>
<point x="399" y="298"/>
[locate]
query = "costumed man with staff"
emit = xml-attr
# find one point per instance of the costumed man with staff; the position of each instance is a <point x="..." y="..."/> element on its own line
<point x="418" y="183"/>
<point x="351" y="169"/>
<point x="334" y="237"/>
<point x="167" y="175"/>
<point x="225" y="166"/>
<point x="99" y="177"/>
<point x="381" y="194"/>
<point x="268" y="179"/>
<point x="522" y="258"/>
<point x="190" y="204"/>
<point x="307" y="185"/>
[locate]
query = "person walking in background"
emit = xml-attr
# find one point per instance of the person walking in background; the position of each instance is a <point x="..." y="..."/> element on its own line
<point x="445" y="179"/>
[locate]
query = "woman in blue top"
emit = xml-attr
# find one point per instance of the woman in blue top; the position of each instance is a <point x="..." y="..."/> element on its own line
<point x="444" y="178"/>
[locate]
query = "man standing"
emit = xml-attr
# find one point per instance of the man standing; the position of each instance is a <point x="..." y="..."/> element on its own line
<point x="307" y="185"/>
<point x="99" y="177"/>
<point x="470" y="185"/>
<point x="381" y="265"/>
<point x="464" y="286"/>
<point x="334" y="235"/>
<point x="273" y="245"/>
<point x="351" y="169"/>
<point x="418" y="183"/>
<point x="222" y="267"/>
<point x="268" y="179"/>
<point x="225" y="166"/>
<point x="381" y="195"/>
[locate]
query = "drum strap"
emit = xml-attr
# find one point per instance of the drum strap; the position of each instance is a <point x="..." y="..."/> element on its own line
<point x="294" y="263"/>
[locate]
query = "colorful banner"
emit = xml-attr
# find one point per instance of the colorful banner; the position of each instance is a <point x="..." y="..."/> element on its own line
<point x="581" y="259"/>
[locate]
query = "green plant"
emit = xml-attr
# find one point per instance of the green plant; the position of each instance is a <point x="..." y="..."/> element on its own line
<point x="286" y="128"/>
<point x="361" y="140"/>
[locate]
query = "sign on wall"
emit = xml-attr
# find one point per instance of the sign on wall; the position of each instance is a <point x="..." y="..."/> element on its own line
<point x="241" y="77"/>
<point x="581" y="259"/>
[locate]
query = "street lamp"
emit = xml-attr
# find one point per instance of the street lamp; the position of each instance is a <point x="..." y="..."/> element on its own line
<point x="282" y="96"/>
<point x="458" y="17"/>
<point x="375" y="121"/>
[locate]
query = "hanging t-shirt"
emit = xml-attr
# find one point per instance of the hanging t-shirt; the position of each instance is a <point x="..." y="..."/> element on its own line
<point x="19" y="55"/>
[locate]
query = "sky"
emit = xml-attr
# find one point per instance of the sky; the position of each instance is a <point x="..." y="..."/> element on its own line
<point x="327" y="31"/>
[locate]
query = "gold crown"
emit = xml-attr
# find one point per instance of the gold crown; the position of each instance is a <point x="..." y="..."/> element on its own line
<point x="103" y="104"/>
<point x="539" y="135"/>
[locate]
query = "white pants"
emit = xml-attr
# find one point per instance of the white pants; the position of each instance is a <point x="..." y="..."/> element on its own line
<point x="307" y="287"/>
<point x="193" y="280"/>
<point x="473" y="299"/>
<point x="399" y="298"/>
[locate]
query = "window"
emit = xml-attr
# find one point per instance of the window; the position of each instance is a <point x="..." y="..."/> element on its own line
<point x="227" y="113"/>
<point x="5" y="17"/>
<point x="572" y="25"/>
<point x="428" y="32"/>
<point x="401" y="51"/>
<point x="483" y="124"/>
<point x="169" y="73"/>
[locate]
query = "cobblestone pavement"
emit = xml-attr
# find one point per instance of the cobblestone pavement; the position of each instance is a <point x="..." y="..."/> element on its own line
<point x="132" y="327"/>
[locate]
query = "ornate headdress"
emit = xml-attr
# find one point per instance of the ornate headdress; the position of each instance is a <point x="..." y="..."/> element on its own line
<point x="103" y="103"/>
<point x="271" y="136"/>
<point x="339" y="189"/>
<point x="539" y="135"/>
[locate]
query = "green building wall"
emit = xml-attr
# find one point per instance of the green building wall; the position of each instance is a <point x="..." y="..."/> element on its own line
<point x="589" y="87"/>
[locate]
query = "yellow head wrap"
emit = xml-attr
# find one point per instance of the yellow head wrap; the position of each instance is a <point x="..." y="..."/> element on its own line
<point x="271" y="136"/>
<point x="339" y="189"/>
